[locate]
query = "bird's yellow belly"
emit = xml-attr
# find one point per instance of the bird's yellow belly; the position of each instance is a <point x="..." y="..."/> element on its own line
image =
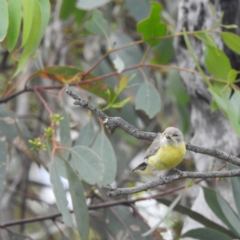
<point x="167" y="157"/>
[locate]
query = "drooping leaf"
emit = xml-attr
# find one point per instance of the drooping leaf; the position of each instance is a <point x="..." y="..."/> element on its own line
<point x="232" y="41"/>
<point x="206" y="233"/>
<point x="14" y="11"/>
<point x="213" y="203"/>
<point x="198" y="217"/>
<point x="3" y="166"/>
<point x="118" y="64"/>
<point x="122" y="224"/>
<point x="229" y="213"/>
<point x="103" y="148"/>
<point x="217" y="62"/>
<point x="235" y="188"/>
<point x="97" y="25"/>
<point x="59" y="193"/>
<point x="27" y="6"/>
<point x="233" y="111"/>
<point x="79" y="202"/>
<point x="90" y="4"/>
<point x="206" y="38"/>
<point x="152" y="27"/>
<point x="65" y="134"/>
<point x="87" y="163"/>
<point x="86" y="135"/>
<point x="45" y="16"/>
<point x="177" y="88"/>
<point x="29" y="46"/>
<point x="3" y="19"/>
<point x="148" y="99"/>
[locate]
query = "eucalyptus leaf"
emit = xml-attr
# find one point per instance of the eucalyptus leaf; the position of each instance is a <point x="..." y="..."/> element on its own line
<point x="3" y="166"/>
<point x="87" y="163"/>
<point x="59" y="193"/>
<point x="86" y="135"/>
<point x="79" y="202"/>
<point x="97" y="24"/>
<point x="148" y="99"/>
<point x="152" y="27"/>
<point x="14" y="10"/>
<point x="65" y="136"/>
<point x="103" y="147"/>
<point x="206" y="233"/>
<point x="3" y="19"/>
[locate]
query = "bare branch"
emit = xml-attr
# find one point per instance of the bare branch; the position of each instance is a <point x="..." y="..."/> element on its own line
<point x="113" y="192"/>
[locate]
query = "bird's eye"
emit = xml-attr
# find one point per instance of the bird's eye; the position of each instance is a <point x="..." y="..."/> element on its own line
<point x="175" y="135"/>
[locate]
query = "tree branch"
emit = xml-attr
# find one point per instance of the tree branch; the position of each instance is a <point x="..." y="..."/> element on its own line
<point x="113" y="192"/>
<point x="111" y="123"/>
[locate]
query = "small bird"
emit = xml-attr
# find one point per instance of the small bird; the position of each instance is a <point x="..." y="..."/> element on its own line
<point x="166" y="151"/>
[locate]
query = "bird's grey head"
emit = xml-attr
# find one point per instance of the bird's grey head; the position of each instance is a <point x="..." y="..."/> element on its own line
<point x="172" y="135"/>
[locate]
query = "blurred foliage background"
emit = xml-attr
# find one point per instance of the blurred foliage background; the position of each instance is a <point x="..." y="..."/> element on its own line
<point x="55" y="156"/>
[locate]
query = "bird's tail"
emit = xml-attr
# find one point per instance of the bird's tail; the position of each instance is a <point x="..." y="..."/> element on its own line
<point x="140" y="167"/>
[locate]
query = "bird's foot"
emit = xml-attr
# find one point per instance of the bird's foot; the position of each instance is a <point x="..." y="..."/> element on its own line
<point x="178" y="171"/>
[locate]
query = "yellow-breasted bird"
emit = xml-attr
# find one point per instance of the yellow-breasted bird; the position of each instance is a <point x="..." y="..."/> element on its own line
<point x="166" y="151"/>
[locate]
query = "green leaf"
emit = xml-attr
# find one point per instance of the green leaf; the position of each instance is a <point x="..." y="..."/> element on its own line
<point x="87" y="163"/>
<point x="97" y="25"/>
<point x="229" y="213"/>
<point x="151" y="27"/>
<point x="86" y="135"/>
<point x="118" y="64"/>
<point x="170" y="209"/>
<point x="217" y="62"/>
<point x="59" y="193"/>
<point x="3" y="19"/>
<point x="232" y="41"/>
<point x="79" y="202"/>
<point x="67" y="8"/>
<point x="3" y="166"/>
<point x="65" y="136"/>
<point x="235" y="188"/>
<point x="148" y="99"/>
<point x="14" y="11"/>
<point x="29" y="46"/>
<point x="45" y="16"/>
<point x="177" y="88"/>
<point x="212" y="201"/>
<point x="27" y="6"/>
<point x="233" y="109"/>
<point x="206" y="38"/>
<point x="232" y="74"/>
<point x="206" y="233"/>
<point x="103" y="148"/>
<point x="90" y="4"/>
<point x="121" y="103"/>
<point x="163" y="52"/>
<point x="198" y="217"/>
<point x="222" y="105"/>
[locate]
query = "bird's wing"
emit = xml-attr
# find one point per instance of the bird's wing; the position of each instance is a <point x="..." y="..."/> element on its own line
<point x="154" y="147"/>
